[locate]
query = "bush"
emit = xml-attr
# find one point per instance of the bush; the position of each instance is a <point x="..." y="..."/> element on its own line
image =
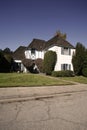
<point x="39" y="63"/>
<point x="63" y="73"/>
<point x="84" y="72"/>
<point x="49" y="62"/>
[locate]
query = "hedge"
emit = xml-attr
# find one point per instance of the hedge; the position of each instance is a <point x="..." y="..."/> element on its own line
<point x="63" y="73"/>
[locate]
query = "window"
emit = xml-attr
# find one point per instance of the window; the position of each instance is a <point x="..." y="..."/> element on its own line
<point x="32" y="51"/>
<point x="65" y="51"/>
<point x="33" y="54"/>
<point x="65" y="67"/>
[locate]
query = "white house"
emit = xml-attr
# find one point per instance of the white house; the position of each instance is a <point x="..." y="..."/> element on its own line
<point x="36" y="49"/>
<point x="64" y="50"/>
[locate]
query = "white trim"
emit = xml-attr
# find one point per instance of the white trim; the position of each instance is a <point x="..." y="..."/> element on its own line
<point x="18" y="61"/>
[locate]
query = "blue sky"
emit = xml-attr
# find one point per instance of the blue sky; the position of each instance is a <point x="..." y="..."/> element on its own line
<point x="23" y="20"/>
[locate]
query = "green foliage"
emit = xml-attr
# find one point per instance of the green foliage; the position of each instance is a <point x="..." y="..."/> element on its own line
<point x="4" y="64"/>
<point x="8" y="57"/>
<point x="84" y="69"/>
<point x="64" y="73"/>
<point x="7" y="51"/>
<point x="84" y="72"/>
<point x="85" y="62"/>
<point x="6" y="60"/>
<point x="49" y="62"/>
<point x="79" y="58"/>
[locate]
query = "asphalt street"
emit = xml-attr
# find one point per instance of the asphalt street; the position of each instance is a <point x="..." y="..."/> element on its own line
<point x="13" y="94"/>
<point x="66" y="110"/>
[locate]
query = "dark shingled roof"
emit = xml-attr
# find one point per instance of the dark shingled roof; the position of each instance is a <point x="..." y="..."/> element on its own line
<point x="37" y="44"/>
<point x="42" y="45"/>
<point x="58" y="41"/>
<point x="19" y="53"/>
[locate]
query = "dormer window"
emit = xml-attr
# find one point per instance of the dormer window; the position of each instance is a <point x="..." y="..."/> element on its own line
<point x="33" y="51"/>
<point x="33" y="54"/>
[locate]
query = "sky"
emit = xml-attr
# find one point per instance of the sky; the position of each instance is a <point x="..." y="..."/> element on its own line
<point x="23" y="20"/>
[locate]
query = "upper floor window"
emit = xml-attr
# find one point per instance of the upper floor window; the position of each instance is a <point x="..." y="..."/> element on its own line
<point x="65" y="51"/>
<point x="33" y="51"/>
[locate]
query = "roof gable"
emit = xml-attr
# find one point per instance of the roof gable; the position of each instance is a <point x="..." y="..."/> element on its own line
<point x="43" y="45"/>
<point x="19" y="53"/>
<point x="37" y="44"/>
<point x="58" y="41"/>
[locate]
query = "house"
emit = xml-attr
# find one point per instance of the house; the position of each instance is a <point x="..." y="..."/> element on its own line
<point x="64" y="50"/>
<point x="18" y="57"/>
<point x="35" y="49"/>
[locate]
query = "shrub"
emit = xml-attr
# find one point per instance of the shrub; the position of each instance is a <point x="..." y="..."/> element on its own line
<point x="30" y="65"/>
<point x="84" y="72"/>
<point x="39" y="63"/>
<point x="63" y="73"/>
<point x="49" y="62"/>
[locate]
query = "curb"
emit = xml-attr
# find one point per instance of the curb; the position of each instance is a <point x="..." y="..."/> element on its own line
<point x="22" y="99"/>
<point x="38" y="97"/>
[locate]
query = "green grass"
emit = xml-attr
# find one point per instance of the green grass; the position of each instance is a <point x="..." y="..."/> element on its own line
<point x="79" y="79"/>
<point x="29" y="80"/>
<point x="17" y="80"/>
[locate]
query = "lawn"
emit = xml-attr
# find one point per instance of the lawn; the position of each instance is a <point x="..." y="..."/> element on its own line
<point x="79" y="79"/>
<point x="32" y="80"/>
<point x="21" y="79"/>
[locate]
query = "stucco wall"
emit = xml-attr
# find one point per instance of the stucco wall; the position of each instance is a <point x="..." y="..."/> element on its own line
<point x="38" y="54"/>
<point x="62" y="59"/>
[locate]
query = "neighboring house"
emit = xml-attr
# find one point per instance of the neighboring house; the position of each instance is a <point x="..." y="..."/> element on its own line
<point x="64" y="50"/>
<point x="18" y="57"/>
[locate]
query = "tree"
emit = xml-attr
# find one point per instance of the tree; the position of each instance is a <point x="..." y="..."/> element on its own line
<point x="7" y="50"/>
<point x="60" y="34"/>
<point x="79" y="58"/>
<point x="6" y="60"/>
<point x="49" y="62"/>
<point x="4" y="64"/>
<point x="84" y="69"/>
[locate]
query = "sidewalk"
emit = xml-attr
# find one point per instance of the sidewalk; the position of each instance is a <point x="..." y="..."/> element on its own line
<point x="30" y="93"/>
